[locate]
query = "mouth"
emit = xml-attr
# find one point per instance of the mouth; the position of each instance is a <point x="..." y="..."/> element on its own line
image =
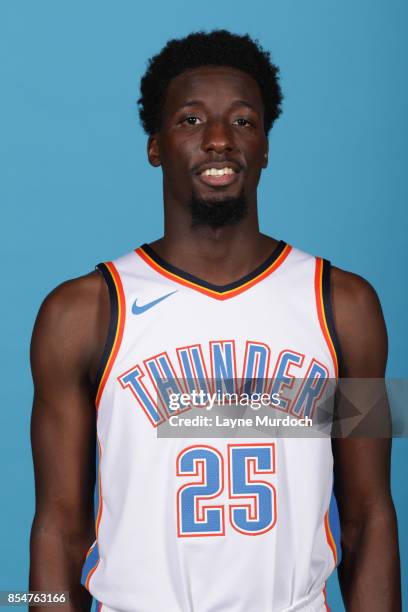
<point x="217" y="176"/>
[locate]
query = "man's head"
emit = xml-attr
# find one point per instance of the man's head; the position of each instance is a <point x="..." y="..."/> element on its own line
<point x="208" y="102"/>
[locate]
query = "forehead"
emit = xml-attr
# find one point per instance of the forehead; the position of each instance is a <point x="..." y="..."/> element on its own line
<point x="213" y="85"/>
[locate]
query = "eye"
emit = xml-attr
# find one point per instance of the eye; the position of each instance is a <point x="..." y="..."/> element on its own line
<point x="242" y="122"/>
<point x="191" y="120"/>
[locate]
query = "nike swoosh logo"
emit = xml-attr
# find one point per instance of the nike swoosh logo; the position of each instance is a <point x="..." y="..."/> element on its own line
<point x="137" y="310"/>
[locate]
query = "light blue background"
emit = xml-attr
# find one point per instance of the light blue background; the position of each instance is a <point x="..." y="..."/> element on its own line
<point x="76" y="188"/>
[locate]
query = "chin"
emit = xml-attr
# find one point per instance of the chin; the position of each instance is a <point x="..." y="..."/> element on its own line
<point x="215" y="197"/>
<point x="217" y="210"/>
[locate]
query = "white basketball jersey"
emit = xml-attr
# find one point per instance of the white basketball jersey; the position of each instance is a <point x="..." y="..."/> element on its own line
<point x="232" y="524"/>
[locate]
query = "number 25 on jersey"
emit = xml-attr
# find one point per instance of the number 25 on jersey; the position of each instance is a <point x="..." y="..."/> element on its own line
<point x="251" y="496"/>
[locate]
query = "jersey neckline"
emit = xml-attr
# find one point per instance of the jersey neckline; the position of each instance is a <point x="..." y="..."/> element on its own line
<point x="220" y="292"/>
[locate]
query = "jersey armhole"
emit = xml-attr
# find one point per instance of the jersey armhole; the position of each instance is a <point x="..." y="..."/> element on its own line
<point x="115" y="329"/>
<point x="325" y="311"/>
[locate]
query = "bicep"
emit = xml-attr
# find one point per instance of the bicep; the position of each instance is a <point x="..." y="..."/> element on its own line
<point x="63" y="418"/>
<point x="362" y="450"/>
<point x="63" y="445"/>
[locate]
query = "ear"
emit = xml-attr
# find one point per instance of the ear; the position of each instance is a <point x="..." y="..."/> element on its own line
<point x="265" y="159"/>
<point x="153" y="150"/>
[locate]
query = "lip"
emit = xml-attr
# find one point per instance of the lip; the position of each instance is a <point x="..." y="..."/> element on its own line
<point x="219" y="181"/>
<point x="218" y="165"/>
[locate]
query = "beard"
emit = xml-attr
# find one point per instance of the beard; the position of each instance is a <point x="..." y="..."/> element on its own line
<point x="217" y="213"/>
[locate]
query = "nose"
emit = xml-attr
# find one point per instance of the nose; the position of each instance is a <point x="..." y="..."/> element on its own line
<point x="217" y="137"/>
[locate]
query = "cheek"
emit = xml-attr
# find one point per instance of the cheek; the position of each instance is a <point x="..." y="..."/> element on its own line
<point x="176" y="164"/>
<point x="256" y="163"/>
<point x="255" y="167"/>
<point x="254" y="148"/>
<point x="176" y="156"/>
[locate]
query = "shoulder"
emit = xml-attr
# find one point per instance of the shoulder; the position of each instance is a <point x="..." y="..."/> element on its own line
<point x="72" y="321"/>
<point x="359" y="323"/>
<point x="351" y="292"/>
<point x="73" y="301"/>
<point x="352" y="296"/>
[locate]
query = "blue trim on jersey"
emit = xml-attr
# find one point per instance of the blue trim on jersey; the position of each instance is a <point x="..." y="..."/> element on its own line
<point x="93" y="556"/>
<point x="90" y="563"/>
<point x="334" y="523"/>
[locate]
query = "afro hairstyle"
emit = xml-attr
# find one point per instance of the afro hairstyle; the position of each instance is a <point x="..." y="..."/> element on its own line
<point x="216" y="48"/>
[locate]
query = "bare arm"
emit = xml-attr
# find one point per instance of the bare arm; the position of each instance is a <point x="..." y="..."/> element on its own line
<point x="369" y="573"/>
<point x="67" y="345"/>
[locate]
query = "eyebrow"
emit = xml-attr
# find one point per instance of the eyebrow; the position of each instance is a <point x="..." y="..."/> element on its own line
<point x="190" y="103"/>
<point x="244" y="103"/>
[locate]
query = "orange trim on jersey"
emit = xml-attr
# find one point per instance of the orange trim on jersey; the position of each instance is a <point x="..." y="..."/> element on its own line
<point x="322" y="315"/>
<point x="100" y="502"/>
<point x="210" y="292"/>
<point x="90" y="550"/>
<point x="93" y="570"/>
<point x="329" y="536"/>
<point x="98" y="516"/>
<point x="119" y="330"/>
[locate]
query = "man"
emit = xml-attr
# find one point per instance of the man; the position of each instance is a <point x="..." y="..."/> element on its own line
<point x="186" y="525"/>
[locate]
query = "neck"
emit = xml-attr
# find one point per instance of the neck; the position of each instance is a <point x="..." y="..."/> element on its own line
<point x="218" y="255"/>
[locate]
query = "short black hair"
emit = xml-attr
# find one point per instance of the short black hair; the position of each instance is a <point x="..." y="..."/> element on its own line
<point x="216" y="48"/>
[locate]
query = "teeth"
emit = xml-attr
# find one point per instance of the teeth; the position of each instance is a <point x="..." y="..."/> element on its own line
<point x="217" y="172"/>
